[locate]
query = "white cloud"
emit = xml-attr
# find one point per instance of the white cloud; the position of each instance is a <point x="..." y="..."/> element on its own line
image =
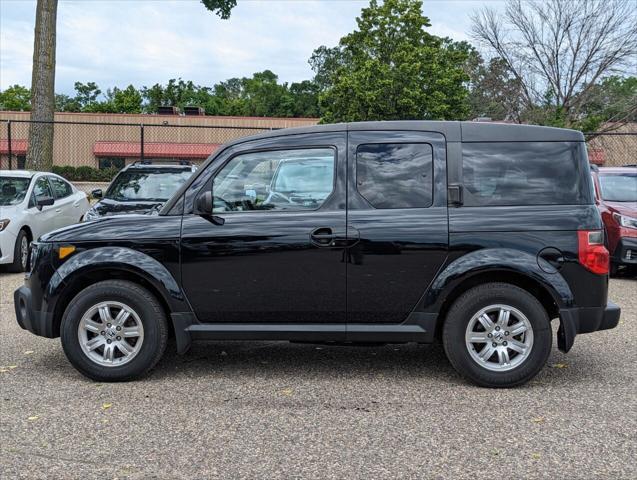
<point x="145" y="42"/>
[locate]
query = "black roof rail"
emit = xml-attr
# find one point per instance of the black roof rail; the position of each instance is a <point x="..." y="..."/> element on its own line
<point x="631" y="165"/>
<point x="161" y="161"/>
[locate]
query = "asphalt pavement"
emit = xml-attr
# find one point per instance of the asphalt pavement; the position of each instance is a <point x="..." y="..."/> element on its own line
<point x="281" y="410"/>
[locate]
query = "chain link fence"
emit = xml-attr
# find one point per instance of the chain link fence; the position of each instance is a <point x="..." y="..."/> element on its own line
<point x="612" y="149"/>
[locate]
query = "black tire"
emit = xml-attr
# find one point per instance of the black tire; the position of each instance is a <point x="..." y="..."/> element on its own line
<point x="17" y="266"/>
<point x="151" y="315"/>
<point x="468" y="305"/>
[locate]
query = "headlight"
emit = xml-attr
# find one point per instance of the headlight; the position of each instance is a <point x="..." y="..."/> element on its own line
<point x="91" y="214"/>
<point x="3" y="223"/>
<point x="624" y="221"/>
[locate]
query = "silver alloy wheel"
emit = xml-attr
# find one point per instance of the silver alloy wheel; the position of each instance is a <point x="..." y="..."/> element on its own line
<point x="499" y="338"/>
<point x="111" y="334"/>
<point x="24" y="252"/>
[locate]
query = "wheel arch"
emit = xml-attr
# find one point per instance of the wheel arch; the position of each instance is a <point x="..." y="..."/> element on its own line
<point x="497" y="265"/>
<point x="95" y="265"/>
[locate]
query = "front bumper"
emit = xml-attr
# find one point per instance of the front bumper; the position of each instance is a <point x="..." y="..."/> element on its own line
<point x="625" y="252"/>
<point x="40" y="323"/>
<point x="7" y="246"/>
<point x="585" y="320"/>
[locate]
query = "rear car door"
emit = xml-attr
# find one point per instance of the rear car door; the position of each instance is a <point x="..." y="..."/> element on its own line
<point x="273" y="252"/>
<point x="397" y="207"/>
<point x="66" y="203"/>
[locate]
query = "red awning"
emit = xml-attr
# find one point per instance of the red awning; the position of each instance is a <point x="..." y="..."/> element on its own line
<point x="154" y="149"/>
<point x="18" y="146"/>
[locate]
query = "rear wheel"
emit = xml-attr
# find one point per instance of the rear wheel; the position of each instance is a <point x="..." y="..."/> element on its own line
<point x="114" y="331"/>
<point x="497" y="335"/>
<point x="20" y="253"/>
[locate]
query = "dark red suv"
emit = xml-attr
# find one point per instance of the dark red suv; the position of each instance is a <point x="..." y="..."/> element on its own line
<point x="616" y="198"/>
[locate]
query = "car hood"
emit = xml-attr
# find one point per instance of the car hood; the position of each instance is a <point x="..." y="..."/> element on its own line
<point x="10" y="211"/>
<point x="113" y="207"/>
<point x="118" y="229"/>
<point x="624" y="208"/>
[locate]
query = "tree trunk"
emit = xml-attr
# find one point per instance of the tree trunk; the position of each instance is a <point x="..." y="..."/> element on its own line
<point x="40" y="148"/>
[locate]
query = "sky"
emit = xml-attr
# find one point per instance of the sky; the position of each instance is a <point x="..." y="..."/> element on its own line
<point x="143" y="42"/>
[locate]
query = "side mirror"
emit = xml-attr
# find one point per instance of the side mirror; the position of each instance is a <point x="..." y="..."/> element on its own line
<point x="97" y="193"/>
<point x="203" y="205"/>
<point x="44" y="202"/>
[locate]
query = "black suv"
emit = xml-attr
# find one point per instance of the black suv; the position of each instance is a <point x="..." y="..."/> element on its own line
<point x="387" y="232"/>
<point x="141" y="187"/>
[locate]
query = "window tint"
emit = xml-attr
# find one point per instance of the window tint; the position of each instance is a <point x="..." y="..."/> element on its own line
<point x="275" y="180"/>
<point x="395" y="175"/>
<point x="152" y="185"/>
<point x="61" y="189"/>
<point x="42" y="188"/>
<point x="525" y="173"/>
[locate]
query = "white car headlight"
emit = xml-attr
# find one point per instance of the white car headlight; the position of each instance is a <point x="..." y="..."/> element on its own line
<point x="3" y="223"/>
<point x="624" y="221"/>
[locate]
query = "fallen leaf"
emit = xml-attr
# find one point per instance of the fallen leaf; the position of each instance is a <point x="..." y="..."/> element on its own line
<point x="28" y="352"/>
<point x="287" y="392"/>
<point x="106" y="406"/>
<point x="535" y="456"/>
<point x="4" y="370"/>
<point x="559" y="365"/>
<point x="539" y="420"/>
<point x="495" y="451"/>
<point x="11" y="367"/>
<point x="33" y="418"/>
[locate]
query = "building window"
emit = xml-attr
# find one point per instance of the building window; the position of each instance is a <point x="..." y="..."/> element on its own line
<point x="22" y="160"/>
<point x="111" y="162"/>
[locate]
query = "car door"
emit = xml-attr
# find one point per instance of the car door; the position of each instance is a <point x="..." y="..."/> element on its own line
<point x="397" y="206"/>
<point x="66" y="204"/>
<point x="43" y="219"/>
<point x="274" y="250"/>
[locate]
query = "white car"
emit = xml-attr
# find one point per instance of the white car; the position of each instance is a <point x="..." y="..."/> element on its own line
<point x="32" y="204"/>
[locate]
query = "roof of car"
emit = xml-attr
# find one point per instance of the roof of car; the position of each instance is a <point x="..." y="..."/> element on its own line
<point x="17" y="173"/>
<point x="452" y="130"/>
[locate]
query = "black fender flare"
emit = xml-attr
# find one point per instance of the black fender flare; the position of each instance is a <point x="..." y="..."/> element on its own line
<point x="124" y="259"/>
<point x="493" y="260"/>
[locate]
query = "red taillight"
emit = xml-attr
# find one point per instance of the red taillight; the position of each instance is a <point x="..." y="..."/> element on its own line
<point x="592" y="252"/>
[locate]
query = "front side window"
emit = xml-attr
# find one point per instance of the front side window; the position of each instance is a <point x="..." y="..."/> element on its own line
<point x="13" y="190"/>
<point x="299" y="179"/>
<point x="61" y="189"/>
<point x="147" y="185"/>
<point x="525" y="173"/>
<point x="395" y="175"/>
<point x="42" y="188"/>
<point x="619" y="187"/>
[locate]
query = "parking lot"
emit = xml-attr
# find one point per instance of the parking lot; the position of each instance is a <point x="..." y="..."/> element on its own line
<point x="280" y="410"/>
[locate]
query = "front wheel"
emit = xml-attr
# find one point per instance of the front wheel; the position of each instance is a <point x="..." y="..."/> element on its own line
<point x="114" y="330"/>
<point x="21" y="253"/>
<point x="497" y="335"/>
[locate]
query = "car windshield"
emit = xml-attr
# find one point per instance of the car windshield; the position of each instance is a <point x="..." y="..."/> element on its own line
<point x="13" y="190"/>
<point x="619" y="187"/>
<point x="147" y="185"/>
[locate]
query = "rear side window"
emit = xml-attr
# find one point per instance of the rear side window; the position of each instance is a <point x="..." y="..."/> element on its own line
<point x="525" y="173"/>
<point x="395" y="175"/>
<point x="61" y="189"/>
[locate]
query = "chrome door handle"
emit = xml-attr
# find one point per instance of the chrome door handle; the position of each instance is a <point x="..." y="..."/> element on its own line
<point x="58" y="210"/>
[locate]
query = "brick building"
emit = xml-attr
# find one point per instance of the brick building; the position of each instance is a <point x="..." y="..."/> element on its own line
<point x="105" y="140"/>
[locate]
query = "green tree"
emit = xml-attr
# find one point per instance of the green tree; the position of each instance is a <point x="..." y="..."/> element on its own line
<point x="86" y="95"/>
<point x="392" y="68"/>
<point x="220" y="7"/>
<point x="305" y="98"/>
<point x="16" y="98"/>
<point x="128" y="100"/>
<point x="494" y="91"/>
